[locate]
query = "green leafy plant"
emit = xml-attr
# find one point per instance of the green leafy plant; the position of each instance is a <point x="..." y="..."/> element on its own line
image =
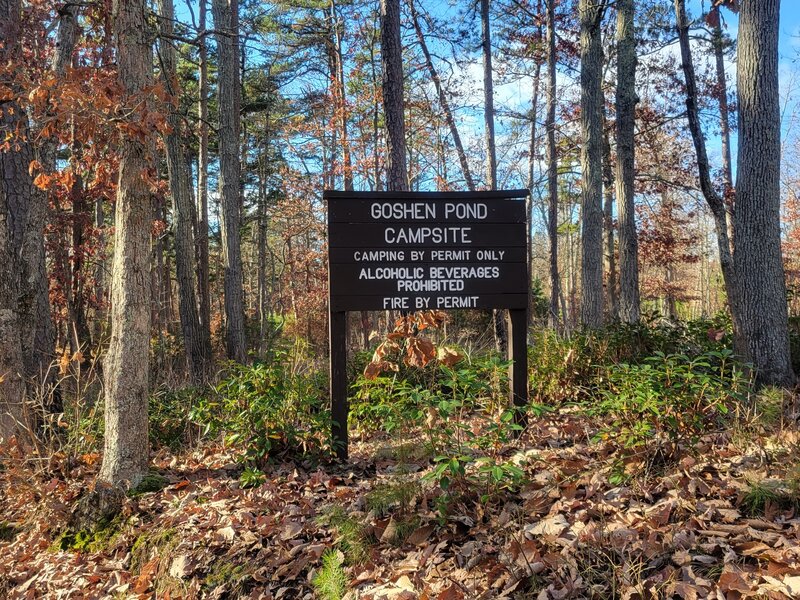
<point x="330" y="581"/>
<point x="670" y="398"/>
<point x="269" y="409"/>
<point x="252" y="477"/>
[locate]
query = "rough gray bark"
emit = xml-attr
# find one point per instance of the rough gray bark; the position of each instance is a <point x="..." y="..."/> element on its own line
<point x="226" y="22"/>
<point x="629" y="302"/>
<point x="758" y="261"/>
<point x="552" y="165"/>
<point x="203" y="290"/>
<point x="715" y="202"/>
<point x="612" y="308"/>
<point x="125" y="457"/>
<point x="443" y="101"/>
<point x="392" y="61"/>
<point x="184" y="217"/>
<point x="591" y="15"/>
<point x="14" y="192"/>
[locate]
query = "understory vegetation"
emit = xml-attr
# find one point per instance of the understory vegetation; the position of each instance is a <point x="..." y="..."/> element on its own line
<point x="636" y="440"/>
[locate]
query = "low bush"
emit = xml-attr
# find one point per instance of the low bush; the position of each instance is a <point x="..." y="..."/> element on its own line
<point x="670" y="397"/>
<point x="269" y="409"/>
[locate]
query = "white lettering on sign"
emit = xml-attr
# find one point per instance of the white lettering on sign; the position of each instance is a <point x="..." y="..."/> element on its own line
<point x="422" y="302"/>
<point x="464" y="272"/>
<point x="401" y="211"/>
<point x="418" y="255"/>
<point x="395" y="303"/>
<point x="392" y="273"/>
<point x="457" y="301"/>
<point x="450" y="255"/>
<point x="427" y="235"/>
<point x="490" y="255"/>
<point x="437" y="285"/>
<point x="379" y="255"/>
<point x="463" y="211"/>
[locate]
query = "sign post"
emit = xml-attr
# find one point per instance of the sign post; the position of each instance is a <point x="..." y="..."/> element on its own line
<point x="410" y="251"/>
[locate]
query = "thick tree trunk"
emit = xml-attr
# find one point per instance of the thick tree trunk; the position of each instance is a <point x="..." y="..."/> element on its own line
<point x="443" y="101"/>
<point x="758" y="261"/>
<point x="198" y="349"/>
<point x="226" y="21"/>
<point x="392" y="61"/>
<point x="125" y="458"/>
<point x="27" y="335"/>
<point x="715" y="202"/>
<point x="203" y="289"/>
<point x="591" y="15"/>
<point x="15" y="192"/>
<point x="629" y="306"/>
<point x="552" y="166"/>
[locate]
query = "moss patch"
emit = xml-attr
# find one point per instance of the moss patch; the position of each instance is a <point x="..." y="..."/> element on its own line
<point x="7" y="531"/>
<point x="152" y="482"/>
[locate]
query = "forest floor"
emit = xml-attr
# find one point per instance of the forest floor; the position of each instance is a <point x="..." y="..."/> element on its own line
<point x="720" y="522"/>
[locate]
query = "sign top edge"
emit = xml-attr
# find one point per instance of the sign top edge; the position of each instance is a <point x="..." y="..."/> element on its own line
<point x="336" y="194"/>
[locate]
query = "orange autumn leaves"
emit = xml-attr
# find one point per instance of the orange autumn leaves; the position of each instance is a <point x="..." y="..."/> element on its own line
<point x="406" y="345"/>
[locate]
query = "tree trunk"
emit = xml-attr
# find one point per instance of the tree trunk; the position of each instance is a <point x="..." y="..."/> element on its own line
<point x="591" y="15"/>
<point x="183" y="209"/>
<point x="392" y="60"/>
<point x="630" y="305"/>
<point x="125" y="458"/>
<point x="612" y="311"/>
<point x="534" y="115"/>
<point x="226" y="21"/>
<point x="203" y="290"/>
<point x="443" y="101"/>
<point x="15" y="191"/>
<point x="715" y="202"/>
<point x="498" y="316"/>
<point x="758" y="260"/>
<point x="552" y="165"/>
<point x="722" y="100"/>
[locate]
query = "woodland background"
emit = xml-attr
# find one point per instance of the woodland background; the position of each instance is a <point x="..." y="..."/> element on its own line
<point x="163" y="300"/>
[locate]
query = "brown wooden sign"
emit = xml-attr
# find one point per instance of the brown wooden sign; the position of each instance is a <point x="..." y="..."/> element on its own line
<point x="410" y="251"/>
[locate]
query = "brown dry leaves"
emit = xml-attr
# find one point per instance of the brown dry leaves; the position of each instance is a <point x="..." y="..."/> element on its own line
<point x="567" y="534"/>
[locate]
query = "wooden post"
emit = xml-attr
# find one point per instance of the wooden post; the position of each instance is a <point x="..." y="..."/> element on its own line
<point x="338" y="383"/>
<point x="518" y="354"/>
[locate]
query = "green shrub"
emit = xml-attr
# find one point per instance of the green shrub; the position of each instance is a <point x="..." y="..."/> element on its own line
<point x="575" y="369"/>
<point x="269" y="409"/>
<point x="169" y="411"/>
<point x="670" y="397"/>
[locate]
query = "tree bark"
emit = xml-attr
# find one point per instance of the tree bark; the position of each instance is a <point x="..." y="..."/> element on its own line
<point x="15" y="191"/>
<point x="125" y="458"/>
<point x="612" y="308"/>
<point x="758" y="260"/>
<point x="534" y="116"/>
<point x="552" y="166"/>
<point x="443" y="101"/>
<point x="591" y="15"/>
<point x="498" y="315"/>
<point x="392" y="61"/>
<point x="226" y="21"/>
<point x="184" y="218"/>
<point x="629" y="302"/>
<point x="715" y="202"/>
<point x="203" y="290"/>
